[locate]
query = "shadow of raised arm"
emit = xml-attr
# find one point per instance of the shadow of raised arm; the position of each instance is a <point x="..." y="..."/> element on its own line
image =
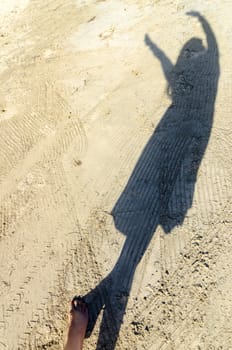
<point x="158" y="53"/>
<point x="211" y="40"/>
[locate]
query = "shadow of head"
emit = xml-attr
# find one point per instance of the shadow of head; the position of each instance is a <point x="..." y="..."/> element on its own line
<point x="192" y="48"/>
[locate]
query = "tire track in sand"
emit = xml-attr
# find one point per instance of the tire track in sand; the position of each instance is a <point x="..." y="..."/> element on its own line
<point x="35" y="193"/>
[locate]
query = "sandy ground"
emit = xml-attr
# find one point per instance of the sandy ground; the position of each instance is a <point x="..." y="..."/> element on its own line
<point x="81" y="94"/>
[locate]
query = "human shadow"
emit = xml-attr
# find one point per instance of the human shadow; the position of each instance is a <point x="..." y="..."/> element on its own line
<point x="161" y="187"/>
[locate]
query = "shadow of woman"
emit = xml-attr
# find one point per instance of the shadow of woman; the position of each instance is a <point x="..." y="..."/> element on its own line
<point x="161" y="187"/>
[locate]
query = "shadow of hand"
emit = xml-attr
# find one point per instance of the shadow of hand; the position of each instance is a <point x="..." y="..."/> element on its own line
<point x="147" y="40"/>
<point x="194" y="14"/>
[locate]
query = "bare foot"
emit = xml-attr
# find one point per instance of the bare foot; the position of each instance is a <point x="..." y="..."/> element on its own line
<point x="78" y="324"/>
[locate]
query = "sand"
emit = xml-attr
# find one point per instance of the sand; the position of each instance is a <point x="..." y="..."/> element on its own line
<point x="84" y="109"/>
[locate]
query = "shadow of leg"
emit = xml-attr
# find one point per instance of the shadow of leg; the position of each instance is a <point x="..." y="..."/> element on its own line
<point x="114" y="311"/>
<point x="96" y="300"/>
